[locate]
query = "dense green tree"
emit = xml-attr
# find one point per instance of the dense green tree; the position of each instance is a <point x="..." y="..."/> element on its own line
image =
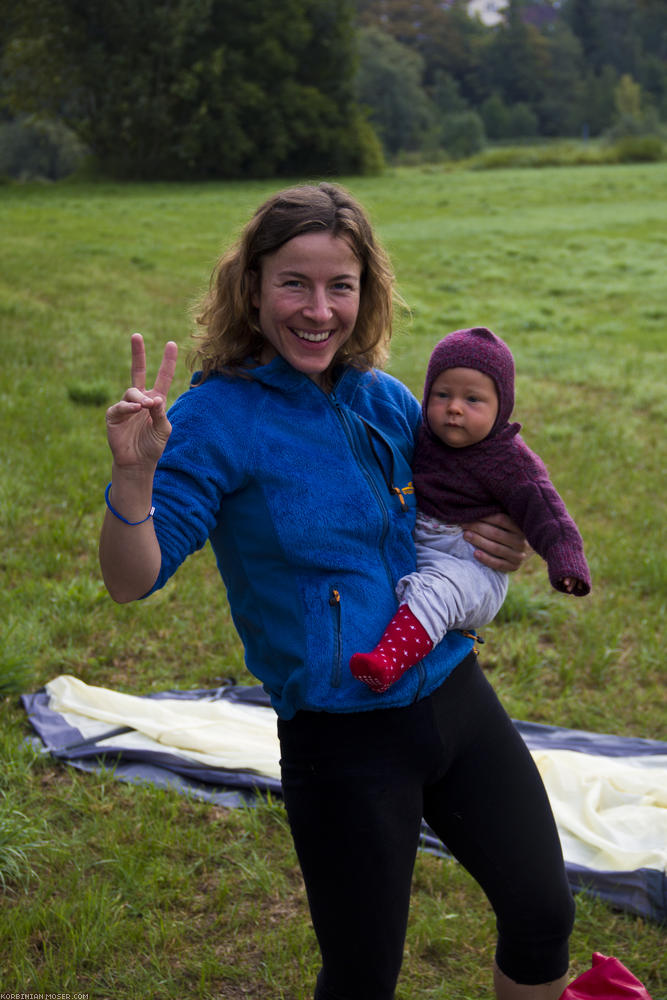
<point x="446" y="94"/>
<point x="618" y="33"/>
<point x="405" y="20"/>
<point x="620" y="37"/>
<point x="560" y="108"/>
<point x="496" y="117"/>
<point x="653" y="79"/>
<point x="598" y="106"/>
<point x="197" y="88"/>
<point x="516" y="60"/>
<point x="462" y="134"/>
<point x="502" y="121"/>
<point x="523" y="122"/>
<point x="582" y="16"/>
<point x="628" y="96"/>
<point x="619" y="43"/>
<point x="446" y="38"/>
<point x="389" y="84"/>
<point x="651" y="26"/>
<point x="453" y="43"/>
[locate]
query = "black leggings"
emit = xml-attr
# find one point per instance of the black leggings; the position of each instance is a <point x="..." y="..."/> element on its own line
<point x="356" y="787"/>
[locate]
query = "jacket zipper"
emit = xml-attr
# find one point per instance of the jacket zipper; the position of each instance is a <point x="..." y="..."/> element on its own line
<point x="371" y="482"/>
<point x="334" y="604"/>
<point x="334" y="598"/>
<point x="389" y="480"/>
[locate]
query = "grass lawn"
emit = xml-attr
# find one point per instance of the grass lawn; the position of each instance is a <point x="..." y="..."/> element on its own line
<point x="117" y="891"/>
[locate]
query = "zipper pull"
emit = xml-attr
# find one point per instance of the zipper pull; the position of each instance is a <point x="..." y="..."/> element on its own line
<point x="475" y="638"/>
<point x="399" y="494"/>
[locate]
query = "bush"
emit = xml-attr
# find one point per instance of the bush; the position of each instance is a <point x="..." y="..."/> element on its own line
<point x="628" y="125"/>
<point x="38" y="149"/>
<point x="495" y="116"/>
<point x="502" y="121"/>
<point x="463" y="134"/>
<point x="639" y="149"/>
<point x="562" y="153"/>
<point x="522" y="122"/>
<point x="368" y="149"/>
<point x="96" y="393"/>
<point x="636" y="138"/>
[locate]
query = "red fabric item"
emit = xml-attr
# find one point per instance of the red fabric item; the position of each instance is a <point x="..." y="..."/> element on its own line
<point x="608" y="979"/>
<point x="405" y="641"/>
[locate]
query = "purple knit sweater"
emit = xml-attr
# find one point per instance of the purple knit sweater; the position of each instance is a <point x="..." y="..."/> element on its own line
<point x="499" y="474"/>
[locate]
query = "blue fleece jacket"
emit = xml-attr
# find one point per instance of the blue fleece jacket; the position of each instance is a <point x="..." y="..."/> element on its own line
<point x="308" y="502"/>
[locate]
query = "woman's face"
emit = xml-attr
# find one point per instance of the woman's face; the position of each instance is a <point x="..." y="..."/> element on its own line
<point x="307" y="295"/>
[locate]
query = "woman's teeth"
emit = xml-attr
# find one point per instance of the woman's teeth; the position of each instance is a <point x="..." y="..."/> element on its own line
<point x="314" y="338"/>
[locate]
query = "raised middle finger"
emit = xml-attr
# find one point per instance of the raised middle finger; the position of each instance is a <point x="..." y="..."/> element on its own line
<point x="167" y="368"/>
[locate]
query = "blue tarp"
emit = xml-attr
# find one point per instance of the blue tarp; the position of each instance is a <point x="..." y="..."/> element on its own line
<point x="642" y="891"/>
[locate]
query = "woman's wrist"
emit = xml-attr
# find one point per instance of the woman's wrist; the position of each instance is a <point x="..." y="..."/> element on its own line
<point x="121" y="517"/>
<point x="129" y="495"/>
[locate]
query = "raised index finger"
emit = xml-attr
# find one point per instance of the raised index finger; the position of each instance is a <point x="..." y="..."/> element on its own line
<point x="138" y="362"/>
<point x="167" y="368"/>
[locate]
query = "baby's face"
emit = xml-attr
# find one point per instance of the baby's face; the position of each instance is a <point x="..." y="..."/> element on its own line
<point x="462" y="406"/>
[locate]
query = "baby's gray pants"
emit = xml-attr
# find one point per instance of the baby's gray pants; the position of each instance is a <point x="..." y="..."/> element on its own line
<point x="450" y="589"/>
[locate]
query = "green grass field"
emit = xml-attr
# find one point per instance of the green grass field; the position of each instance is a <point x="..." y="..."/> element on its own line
<point x="117" y="891"/>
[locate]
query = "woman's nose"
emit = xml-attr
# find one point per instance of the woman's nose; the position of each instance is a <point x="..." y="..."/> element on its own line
<point x="317" y="307"/>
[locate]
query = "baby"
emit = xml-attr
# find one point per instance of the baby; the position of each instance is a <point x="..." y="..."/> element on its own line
<point x="469" y="462"/>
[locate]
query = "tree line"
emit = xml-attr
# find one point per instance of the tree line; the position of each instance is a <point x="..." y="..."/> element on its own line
<point x="434" y="77"/>
<point x="170" y="89"/>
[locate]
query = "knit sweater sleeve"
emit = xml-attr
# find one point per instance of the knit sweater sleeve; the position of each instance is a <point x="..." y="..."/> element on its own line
<point x="525" y="490"/>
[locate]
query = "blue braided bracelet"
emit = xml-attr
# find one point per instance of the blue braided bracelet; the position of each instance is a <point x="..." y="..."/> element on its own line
<point x="120" y="517"/>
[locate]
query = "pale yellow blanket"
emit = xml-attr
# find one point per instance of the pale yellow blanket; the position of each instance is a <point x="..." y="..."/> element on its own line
<point x="611" y="812"/>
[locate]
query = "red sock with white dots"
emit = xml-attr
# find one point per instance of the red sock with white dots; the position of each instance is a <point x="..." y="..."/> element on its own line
<point x="404" y="643"/>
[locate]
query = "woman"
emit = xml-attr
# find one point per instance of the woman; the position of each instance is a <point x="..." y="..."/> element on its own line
<point x="291" y="453"/>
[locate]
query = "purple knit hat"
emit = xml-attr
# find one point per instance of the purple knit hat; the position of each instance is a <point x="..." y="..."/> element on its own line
<point x="480" y="349"/>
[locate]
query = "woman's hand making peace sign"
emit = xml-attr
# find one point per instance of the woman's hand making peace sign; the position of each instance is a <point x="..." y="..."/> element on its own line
<point x="137" y="426"/>
<point x="137" y="430"/>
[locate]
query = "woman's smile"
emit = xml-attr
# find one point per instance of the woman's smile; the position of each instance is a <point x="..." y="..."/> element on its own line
<point x="314" y="336"/>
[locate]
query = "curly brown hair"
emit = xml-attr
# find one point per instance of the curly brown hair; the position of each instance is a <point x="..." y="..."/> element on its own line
<point x="230" y="329"/>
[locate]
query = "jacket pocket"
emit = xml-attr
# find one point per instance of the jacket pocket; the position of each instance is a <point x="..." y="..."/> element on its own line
<point x="334" y="604"/>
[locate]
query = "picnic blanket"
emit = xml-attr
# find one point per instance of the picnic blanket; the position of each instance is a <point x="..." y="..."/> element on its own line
<point x="608" y="793"/>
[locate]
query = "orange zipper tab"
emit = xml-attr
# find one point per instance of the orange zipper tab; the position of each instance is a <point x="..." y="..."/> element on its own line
<point x="399" y="494"/>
